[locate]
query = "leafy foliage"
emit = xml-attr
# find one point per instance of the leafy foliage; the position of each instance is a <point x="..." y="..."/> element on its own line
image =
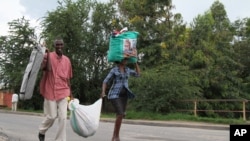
<point x="161" y="89"/>
<point x="16" y="49"/>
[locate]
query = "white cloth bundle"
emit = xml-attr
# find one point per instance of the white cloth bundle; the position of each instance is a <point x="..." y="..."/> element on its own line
<point x="84" y="119"/>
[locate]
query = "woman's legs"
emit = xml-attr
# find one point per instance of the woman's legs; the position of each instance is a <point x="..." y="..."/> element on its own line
<point x="117" y="127"/>
<point x="120" y="108"/>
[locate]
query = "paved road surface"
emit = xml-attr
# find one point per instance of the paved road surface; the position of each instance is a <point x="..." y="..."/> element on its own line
<point x="19" y="127"/>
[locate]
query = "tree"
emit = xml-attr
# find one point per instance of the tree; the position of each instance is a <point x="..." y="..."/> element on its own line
<point x="86" y="42"/>
<point x="161" y="89"/>
<point x="213" y="57"/>
<point x="159" y="29"/>
<point x="162" y="38"/>
<point x="16" y="49"/>
<point x="241" y="47"/>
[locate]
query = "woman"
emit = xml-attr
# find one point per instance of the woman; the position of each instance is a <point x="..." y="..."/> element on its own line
<point x="119" y="91"/>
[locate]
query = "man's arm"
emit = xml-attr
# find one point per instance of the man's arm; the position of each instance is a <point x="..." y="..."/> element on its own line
<point x="69" y="84"/>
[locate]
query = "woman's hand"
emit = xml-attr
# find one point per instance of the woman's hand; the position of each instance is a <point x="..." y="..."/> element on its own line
<point x="102" y="95"/>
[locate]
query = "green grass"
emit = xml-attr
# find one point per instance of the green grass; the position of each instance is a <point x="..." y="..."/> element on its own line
<point x="176" y="116"/>
<point x="167" y="117"/>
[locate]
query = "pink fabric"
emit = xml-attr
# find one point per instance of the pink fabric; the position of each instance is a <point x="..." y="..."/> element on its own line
<point x="54" y="84"/>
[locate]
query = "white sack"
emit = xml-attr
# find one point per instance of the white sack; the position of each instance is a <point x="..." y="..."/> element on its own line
<point x="84" y="119"/>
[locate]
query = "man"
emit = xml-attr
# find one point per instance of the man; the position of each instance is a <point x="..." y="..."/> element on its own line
<point x="14" y="101"/>
<point x="55" y="88"/>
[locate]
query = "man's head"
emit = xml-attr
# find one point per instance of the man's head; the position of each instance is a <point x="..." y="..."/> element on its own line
<point x="58" y="44"/>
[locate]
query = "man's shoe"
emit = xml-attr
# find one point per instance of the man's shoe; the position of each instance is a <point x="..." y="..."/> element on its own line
<point x="41" y="137"/>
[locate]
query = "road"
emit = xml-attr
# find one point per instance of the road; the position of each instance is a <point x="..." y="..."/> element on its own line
<point x="25" y="128"/>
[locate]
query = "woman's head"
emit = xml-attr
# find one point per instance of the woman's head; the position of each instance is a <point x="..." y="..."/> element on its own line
<point x="122" y="62"/>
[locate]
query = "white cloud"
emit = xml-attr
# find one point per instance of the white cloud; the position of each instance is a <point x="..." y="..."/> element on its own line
<point x="237" y="9"/>
<point x="38" y="8"/>
<point x="10" y="10"/>
<point x="190" y="9"/>
<point x="14" y="9"/>
<point x="35" y="9"/>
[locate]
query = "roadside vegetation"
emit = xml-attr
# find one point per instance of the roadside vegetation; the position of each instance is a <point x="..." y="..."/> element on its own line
<point x="177" y="117"/>
<point x="135" y="115"/>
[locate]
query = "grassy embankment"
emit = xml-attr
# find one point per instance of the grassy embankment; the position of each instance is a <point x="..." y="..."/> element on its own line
<point x="168" y="117"/>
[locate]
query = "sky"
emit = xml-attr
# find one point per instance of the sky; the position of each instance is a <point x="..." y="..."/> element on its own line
<point x="34" y="10"/>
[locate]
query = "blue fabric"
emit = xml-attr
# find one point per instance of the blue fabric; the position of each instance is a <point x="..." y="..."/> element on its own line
<point x="119" y="80"/>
